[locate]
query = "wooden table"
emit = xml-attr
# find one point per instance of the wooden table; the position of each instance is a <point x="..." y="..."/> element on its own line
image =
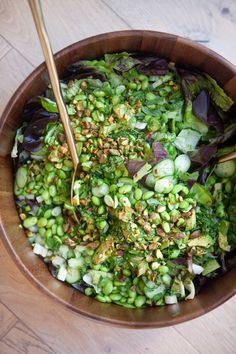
<point x="29" y="321"/>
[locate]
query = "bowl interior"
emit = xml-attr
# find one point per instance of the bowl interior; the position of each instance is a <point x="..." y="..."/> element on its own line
<point x="174" y="48"/>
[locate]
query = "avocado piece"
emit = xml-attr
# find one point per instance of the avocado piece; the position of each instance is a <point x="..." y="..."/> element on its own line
<point x="201" y="241"/>
<point x="223" y="228"/>
<point x="201" y="195"/>
<point x="210" y="267"/>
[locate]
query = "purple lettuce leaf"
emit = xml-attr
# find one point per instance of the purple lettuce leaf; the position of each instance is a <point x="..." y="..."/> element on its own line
<point x="158" y="151"/>
<point x="133" y="166"/>
<point x="33" y="134"/>
<point x="201" y="106"/>
<point x="204" y="154"/>
<point x="81" y="71"/>
<point x="227" y="136"/>
<point x="205" y="111"/>
<point x="151" y="65"/>
<point x="30" y="108"/>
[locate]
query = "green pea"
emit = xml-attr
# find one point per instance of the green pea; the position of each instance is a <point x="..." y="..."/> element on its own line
<point x="140" y="301"/>
<point x="147" y="195"/>
<point x="162" y="269"/>
<point x="89" y="251"/>
<point x="30" y="221"/>
<point x="42" y="222"/>
<point x="96" y="201"/>
<point x="138" y="193"/>
<point x="107" y="287"/>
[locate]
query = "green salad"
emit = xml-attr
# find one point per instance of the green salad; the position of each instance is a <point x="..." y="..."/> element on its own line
<point x="152" y="216"/>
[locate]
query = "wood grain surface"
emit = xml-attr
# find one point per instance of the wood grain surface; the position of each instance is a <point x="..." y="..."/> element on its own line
<point x="30" y="322"/>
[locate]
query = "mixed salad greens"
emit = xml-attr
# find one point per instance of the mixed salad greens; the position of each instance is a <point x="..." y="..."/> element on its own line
<point x="156" y="220"/>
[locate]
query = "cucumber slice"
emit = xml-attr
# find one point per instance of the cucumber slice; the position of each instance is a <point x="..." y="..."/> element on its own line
<point x="150" y="180"/>
<point x="164" y="168"/>
<point x="225" y="169"/>
<point x="76" y="262"/>
<point x="73" y="275"/>
<point x="187" y="140"/>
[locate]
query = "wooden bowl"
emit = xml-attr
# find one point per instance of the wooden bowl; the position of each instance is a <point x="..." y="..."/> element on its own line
<point x="174" y="48"/>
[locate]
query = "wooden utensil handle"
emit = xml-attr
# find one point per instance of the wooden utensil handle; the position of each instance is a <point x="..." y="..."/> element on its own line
<point x="48" y="55"/>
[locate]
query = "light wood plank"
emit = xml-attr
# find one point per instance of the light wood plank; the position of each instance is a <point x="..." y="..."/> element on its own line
<point x="7" y="320"/>
<point x="52" y="322"/>
<point x="205" y="21"/>
<point x="14" y="69"/>
<point x="4" y="47"/>
<point x="21" y="340"/>
<point x="67" y="22"/>
<point x="215" y="331"/>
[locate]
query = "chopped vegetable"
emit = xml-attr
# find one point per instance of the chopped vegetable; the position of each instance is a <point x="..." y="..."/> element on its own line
<point x="152" y="217"/>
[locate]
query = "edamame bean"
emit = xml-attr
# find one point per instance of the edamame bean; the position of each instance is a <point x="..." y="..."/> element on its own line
<point x="140" y="301"/>
<point x="162" y="269"/>
<point x="42" y="222"/>
<point x="30" y="221"/>
<point x="107" y="287"/>
<point x="21" y="176"/>
<point x="147" y="195"/>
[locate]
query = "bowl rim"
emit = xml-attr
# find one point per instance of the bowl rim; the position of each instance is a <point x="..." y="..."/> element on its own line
<point x="7" y="243"/>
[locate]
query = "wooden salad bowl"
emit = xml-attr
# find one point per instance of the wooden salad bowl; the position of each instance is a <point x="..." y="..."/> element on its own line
<point x="172" y="47"/>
